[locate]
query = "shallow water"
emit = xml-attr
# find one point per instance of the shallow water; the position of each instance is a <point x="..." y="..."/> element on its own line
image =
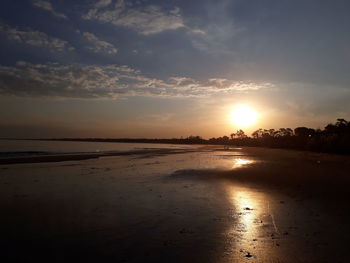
<point x="16" y="148"/>
<point x="240" y="205"/>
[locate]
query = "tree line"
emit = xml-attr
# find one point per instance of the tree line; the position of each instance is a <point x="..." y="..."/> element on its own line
<point x="334" y="138"/>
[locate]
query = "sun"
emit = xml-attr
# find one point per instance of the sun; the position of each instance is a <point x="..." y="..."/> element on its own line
<point x="243" y="116"/>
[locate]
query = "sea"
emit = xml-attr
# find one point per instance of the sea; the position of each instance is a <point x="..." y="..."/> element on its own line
<point x="28" y="148"/>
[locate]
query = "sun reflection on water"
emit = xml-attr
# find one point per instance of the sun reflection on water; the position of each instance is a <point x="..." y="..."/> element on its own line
<point x="241" y="162"/>
<point x="249" y="208"/>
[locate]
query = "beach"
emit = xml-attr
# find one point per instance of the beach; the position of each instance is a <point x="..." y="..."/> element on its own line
<point x="194" y="204"/>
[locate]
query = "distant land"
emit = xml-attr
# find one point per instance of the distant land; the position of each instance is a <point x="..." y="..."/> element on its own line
<point x="334" y="138"/>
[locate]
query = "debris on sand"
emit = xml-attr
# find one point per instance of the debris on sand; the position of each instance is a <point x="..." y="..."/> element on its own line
<point x="247" y="208"/>
<point x="247" y="253"/>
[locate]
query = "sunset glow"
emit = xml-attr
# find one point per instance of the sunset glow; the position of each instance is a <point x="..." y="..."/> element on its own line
<point x="243" y="116"/>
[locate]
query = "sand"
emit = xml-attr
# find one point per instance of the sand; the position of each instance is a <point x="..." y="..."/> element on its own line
<point x="208" y="205"/>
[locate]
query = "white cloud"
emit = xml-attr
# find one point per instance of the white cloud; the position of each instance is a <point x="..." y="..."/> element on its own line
<point x="35" y="38"/>
<point x="145" y="20"/>
<point x="215" y="39"/>
<point x="103" y="3"/>
<point x="99" y="46"/>
<point x="107" y="82"/>
<point x="46" y="5"/>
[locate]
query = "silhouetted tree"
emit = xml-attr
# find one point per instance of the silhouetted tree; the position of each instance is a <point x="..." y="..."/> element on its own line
<point x="284" y="132"/>
<point x="258" y="134"/>
<point x="304" y="132"/>
<point x="240" y="134"/>
<point x="225" y="138"/>
<point x="335" y="137"/>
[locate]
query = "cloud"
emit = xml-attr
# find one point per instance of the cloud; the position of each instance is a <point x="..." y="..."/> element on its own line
<point x="215" y="38"/>
<point x="46" y="5"/>
<point x="35" y="38"/>
<point x="107" y="82"/>
<point x="103" y="3"/>
<point x="99" y="46"/>
<point x="145" y="20"/>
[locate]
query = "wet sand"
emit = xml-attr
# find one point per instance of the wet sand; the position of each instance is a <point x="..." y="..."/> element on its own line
<point x="209" y="205"/>
<point x="86" y="156"/>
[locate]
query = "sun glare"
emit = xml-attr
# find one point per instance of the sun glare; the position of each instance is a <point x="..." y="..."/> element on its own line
<point x="243" y="116"/>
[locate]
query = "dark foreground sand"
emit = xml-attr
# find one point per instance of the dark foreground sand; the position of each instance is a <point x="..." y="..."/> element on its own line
<point x="238" y="205"/>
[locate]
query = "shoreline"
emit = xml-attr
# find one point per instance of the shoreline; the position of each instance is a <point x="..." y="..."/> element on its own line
<point x="171" y="205"/>
<point x="161" y="151"/>
<point x="80" y="156"/>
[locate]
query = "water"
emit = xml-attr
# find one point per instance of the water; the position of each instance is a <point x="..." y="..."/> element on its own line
<point x="22" y="148"/>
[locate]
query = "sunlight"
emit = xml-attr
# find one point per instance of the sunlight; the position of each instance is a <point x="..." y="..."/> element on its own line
<point x="248" y="208"/>
<point x="238" y="163"/>
<point x="243" y="116"/>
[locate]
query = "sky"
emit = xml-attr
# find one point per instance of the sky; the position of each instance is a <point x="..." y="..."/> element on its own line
<point x="143" y="68"/>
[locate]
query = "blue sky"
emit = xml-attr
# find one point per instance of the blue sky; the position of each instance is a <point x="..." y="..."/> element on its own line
<point x="114" y="68"/>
